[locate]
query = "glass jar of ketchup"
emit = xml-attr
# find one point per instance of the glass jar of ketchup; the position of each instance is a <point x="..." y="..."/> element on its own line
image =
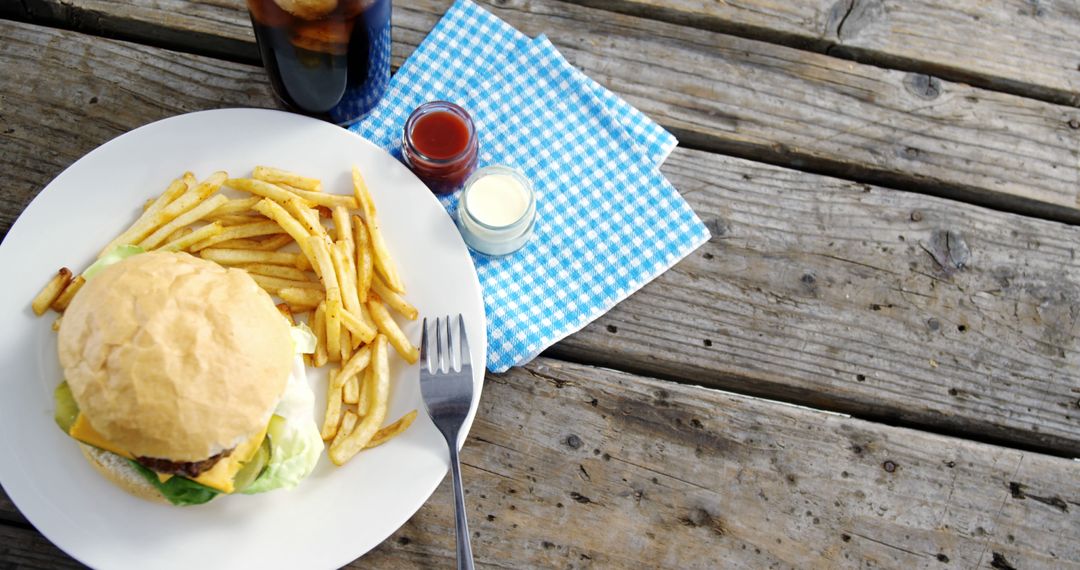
<point x="440" y="145"/>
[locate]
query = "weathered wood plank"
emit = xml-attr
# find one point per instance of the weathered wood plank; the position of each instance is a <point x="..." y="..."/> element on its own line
<point x="1021" y="47"/>
<point x="574" y="466"/>
<point x="763" y="101"/>
<point x="75" y="92"/>
<point x="26" y="548"/>
<point x="857" y="335"/>
<point x="826" y="292"/>
<point x="211" y="27"/>
<point x="8" y="513"/>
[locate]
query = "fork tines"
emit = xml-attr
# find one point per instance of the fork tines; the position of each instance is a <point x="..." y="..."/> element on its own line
<point x="451" y="350"/>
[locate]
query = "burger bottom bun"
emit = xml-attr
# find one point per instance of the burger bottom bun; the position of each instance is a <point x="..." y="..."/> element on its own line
<point x="122" y="474"/>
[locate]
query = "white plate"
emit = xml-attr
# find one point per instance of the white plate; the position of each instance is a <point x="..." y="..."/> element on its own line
<point x="338" y="514"/>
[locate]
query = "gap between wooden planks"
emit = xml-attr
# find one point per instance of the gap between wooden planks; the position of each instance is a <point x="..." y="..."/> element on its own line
<point x="1024" y="48"/>
<point x="813" y="290"/>
<point x="577" y="466"/>
<point x="747" y="98"/>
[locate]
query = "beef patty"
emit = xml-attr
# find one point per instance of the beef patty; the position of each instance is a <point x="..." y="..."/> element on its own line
<point x="190" y="469"/>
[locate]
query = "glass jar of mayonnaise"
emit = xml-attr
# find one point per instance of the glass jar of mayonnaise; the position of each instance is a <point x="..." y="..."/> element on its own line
<point x="497" y="211"/>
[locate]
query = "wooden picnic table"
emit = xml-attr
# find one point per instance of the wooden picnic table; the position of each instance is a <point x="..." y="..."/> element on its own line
<point x="874" y="362"/>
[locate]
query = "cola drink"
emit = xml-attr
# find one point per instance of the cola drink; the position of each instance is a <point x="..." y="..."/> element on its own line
<point x="326" y="58"/>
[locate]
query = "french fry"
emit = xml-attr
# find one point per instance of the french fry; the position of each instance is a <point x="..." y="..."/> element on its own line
<point x="268" y="244"/>
<point x="238" y="206"/>
<point x="346" y="273"/>
<point x="307" y="217"/>
<point x="301" y="297"/>
<point x="248" y="256"/>
<point x="323" y="199"/>
<point x="346" y="345"/>
<point x="342" y="226"/>
<point x="242" y="243"/>
<point x="196" y="236"/>
<point x="279" y="271"/>
<point x="258" y="227"/>
<point x="266" y="190"/>
<point x="344" y="449"/>
<point x="274" y="285"/>
<point x="365" y="316"/>
<point x="348" y="424"/>
<point x="384" y="264"/>
<point x="393" y="430"/>
<point x="333" y="328"/>
<point x="235" y="219"/>
<point x="286" y="312"/>
<point x="189" y="217"/>
<point x="390" y="329"/>
<point x="318" y="324"/>
<point x="364" y="262"/>
<point x="325" y="267"/>
<point x="62" y="301"/>
<point x="51" y="291"/>
<point x="155" y="217"/>
<point x="359" y="362"/>
<point x="396" y="302"/>
<point x="351" y="390"/>
<point x="357" y="326"/>
<point x="363" y="401"/>
<point x="363" y="196"/>
<point x="177" y="188"/>
<point x="178" y="234"/>
<point x="275" y="212"/>
<point x="276" y="175"/>
<point x="332" y="418"/>
<point x="275" y="243"/>
<point x="56" y="323"/>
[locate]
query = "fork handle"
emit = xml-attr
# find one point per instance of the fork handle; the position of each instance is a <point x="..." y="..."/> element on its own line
<point x="464" y="546"/>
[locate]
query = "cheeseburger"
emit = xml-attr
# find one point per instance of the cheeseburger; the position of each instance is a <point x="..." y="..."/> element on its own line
<point x="182" y="381"/>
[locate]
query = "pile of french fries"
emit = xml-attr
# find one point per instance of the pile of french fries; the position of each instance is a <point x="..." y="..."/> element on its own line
<point x="342" y="276"/>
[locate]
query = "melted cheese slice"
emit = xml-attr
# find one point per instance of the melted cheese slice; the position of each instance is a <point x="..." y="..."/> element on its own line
<point x="219" y="477"/>
<point x="84" y="432"/>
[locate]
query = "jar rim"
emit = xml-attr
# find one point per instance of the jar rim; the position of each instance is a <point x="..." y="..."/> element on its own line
<point x="530" y="208"/>
<point x="431" y="107"/>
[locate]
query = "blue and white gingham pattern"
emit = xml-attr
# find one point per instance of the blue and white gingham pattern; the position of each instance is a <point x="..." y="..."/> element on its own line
<point x="650" y="138"/>
<point x="607" y="221"/>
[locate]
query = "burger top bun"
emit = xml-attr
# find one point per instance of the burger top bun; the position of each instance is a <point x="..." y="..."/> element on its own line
<point x="174" y="357"/>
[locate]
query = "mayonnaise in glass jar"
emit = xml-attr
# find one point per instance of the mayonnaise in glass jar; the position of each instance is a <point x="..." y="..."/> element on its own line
<point x="497" y="211"/>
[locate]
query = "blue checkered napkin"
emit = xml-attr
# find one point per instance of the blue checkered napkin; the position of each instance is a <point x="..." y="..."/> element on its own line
<point x="608" y="221"/>
<point x="652" y="140"/>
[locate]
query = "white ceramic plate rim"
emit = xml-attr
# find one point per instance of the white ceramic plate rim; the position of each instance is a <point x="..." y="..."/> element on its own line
<point x="336" y="515"/>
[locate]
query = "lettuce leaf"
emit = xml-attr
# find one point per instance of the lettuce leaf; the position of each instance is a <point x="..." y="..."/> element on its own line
<point x="295" y="441"/>
<point x="118" y="253"/>
<point x="178" y="490"/>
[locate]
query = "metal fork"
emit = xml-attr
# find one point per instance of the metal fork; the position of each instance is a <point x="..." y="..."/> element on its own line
<point x="447" y="387"/>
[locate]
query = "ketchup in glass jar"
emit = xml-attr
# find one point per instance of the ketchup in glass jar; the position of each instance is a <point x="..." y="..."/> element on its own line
<point x="440" y="145"/>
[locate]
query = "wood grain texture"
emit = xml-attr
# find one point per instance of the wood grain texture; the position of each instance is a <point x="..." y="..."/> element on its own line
<point x="829" y="293"/>
<point x="25" y="548"/>
<point x="762" y="101"/>
<point x="808" y="294"/>
<point x="574" y="466"/>
<point x="1019" y="46"/>
<point x="75" y="92"/>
